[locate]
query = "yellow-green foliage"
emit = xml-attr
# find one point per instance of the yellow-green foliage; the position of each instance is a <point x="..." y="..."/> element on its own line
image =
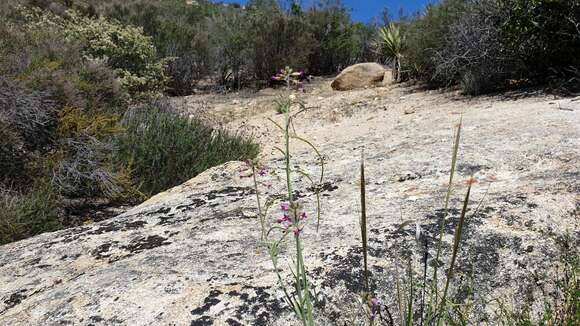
<point x="73" y="122"/>
<point x="124" y="48"/>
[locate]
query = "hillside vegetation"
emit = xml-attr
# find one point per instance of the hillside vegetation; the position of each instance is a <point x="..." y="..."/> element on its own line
<point x="82" y="113"/>
<point x="83" y="121"/>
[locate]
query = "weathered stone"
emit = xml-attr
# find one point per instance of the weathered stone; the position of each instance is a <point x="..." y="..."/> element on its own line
<point x="359" y="76"/>
<point x="192" y="255"/>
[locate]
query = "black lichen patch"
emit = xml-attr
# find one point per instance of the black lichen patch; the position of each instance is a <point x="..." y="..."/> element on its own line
<point x="161" y="211"/>
<point x="15" y="298"/>
<point x="101" y="251"/>
<point x="195" y="203"/>
<point x="96" y="319"/>
<point x="233" y="322"/>
<point x="236" y="213"/>
<point x="172" y="220"/>
<point x="135" y="225"/>
<point x="146" y="243"/>
<point x="470" y="169"/>
<point x="408" y="176"/>
<point x="430" y="231"/>
<point x="518" y="200"/>
<point x="114" y="226"/>
<point x="106" y="228"/>
<point x="229" y="192"/>
<point x="203" y="321"/>
<point x="482" y="256"/>
<point x="433" y="227"/>
<point x="258" y="305"/>
<point x="210" y="301"/>
<point x="345" y="269"/>
<point x="325" y="187"/>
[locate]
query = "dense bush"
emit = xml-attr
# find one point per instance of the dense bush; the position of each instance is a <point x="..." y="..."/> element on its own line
<point x="338" y="42"/>
<point x="47" y="80"/>
<point x="26" y="215"/>
<point x="124" y="48"/>
<point x="164" y="149"/>
<point x="425" y="34"/>
<point x="235" y="47"/>
<point x="544" y="35"/>
<point x="178" y="31"/>
<point x="85" y="145"/>
<point x="486" y="45"/>
<point x="25" y="125"/>
<point x="65" y="83"/>
<point x="473" y="54"/>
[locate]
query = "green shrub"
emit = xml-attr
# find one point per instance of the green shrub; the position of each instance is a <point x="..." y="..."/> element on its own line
<point x="178" y="31"/>
<point x="336" y="43"/>
<point x="125" y="49"/>
<point x="544" y="34"/>
<point x="474" y="55"/>
<point x="425" y="35"/>
<point x="60" y="113"/>
<point x="26" y="122"/>
<point x="237" y="47"/>
<point x="482" y="44"/>
<point x="164" y="149"/>
<point x="44" y="60"/>
<point x="26" y="215"/>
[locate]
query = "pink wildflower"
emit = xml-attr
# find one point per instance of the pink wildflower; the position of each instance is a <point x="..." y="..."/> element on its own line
<point x="263" y="172"/>
<point x="285" y="221"/>
<point x="286" y="224"/>
<point x="375" y="308"/>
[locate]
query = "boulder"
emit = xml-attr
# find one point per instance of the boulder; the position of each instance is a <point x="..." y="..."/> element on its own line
<point x="359" y="76"/>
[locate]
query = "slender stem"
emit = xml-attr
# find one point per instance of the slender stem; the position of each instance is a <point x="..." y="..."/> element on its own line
<point x="287" y="157"/>
<point x="435" y="294"/>
<point x="301" y="277"/>
<point x="291" y="207"/>
<point x="262" y="217"/>
<point x="456" y="242"/>
<point x="363" y="222"/>
<point x="411" y="294"/>
<point x="425" y="256"/>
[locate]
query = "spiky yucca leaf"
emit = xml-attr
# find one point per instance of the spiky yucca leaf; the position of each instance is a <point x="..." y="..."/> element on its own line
<point x="392" y="45"/>
<point x="392" y="41"/>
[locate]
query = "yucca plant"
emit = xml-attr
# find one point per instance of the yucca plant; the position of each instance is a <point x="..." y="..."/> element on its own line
<point x="392" y="44"/>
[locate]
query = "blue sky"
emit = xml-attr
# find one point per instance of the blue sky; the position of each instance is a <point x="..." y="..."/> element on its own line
<point x="365" y="10"/>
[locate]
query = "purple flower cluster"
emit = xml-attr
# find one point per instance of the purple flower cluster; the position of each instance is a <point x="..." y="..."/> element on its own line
<point x="286" y="221"/>
<point x="263" y="171"/>
<point x="246" y="171"/>
<point x="291" y="78"/>
<point x="375" y="308"/>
